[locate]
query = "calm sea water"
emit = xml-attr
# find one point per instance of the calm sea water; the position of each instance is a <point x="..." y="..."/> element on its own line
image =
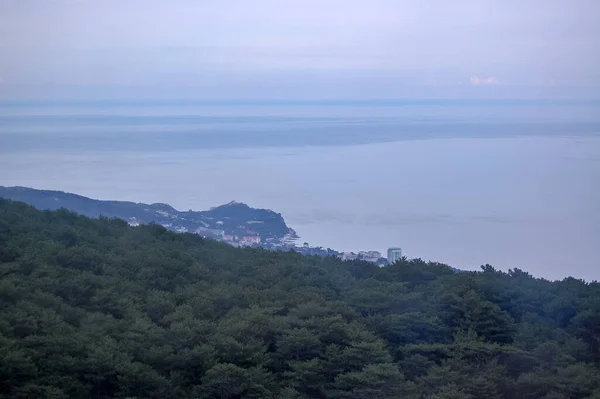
<point x="510" y="184"/>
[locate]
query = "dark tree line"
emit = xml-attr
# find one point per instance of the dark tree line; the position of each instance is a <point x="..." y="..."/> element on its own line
<point x="97" y="309"/>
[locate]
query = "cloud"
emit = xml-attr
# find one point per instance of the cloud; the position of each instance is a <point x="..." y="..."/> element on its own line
<point x="477" y="81"/>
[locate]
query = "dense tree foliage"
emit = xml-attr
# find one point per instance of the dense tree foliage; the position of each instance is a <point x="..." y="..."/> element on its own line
<point x="96" y="309"/>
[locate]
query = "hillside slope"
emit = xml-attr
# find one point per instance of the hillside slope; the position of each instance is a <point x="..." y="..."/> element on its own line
<point x="232" y="219"/>
<point x="95" y="308"/>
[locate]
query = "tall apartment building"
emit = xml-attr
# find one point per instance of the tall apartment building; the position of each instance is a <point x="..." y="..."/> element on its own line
<point x="393" y="254"/>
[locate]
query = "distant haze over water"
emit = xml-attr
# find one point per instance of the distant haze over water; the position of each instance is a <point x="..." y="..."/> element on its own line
<point x="513" y="184"/>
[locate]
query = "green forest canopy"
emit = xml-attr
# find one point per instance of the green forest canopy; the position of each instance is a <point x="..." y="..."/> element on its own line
<point x="94" y="308"/>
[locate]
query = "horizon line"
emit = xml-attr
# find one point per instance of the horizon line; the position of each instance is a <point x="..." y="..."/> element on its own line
<point x="300" y="102"/>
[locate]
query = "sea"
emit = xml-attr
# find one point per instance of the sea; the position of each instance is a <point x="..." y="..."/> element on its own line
<point x="514" y="184"/>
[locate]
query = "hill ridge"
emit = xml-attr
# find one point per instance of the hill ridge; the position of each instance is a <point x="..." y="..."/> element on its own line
<point x="235" y="222"/>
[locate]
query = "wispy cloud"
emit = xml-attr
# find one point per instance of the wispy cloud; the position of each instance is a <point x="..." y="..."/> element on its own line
<point x="478" y="81"/>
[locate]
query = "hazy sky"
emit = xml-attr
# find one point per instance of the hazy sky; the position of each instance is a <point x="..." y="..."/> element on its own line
<point x="307" y="48"/>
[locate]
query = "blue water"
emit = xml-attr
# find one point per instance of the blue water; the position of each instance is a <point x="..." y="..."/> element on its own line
<point x="513" y="184"/>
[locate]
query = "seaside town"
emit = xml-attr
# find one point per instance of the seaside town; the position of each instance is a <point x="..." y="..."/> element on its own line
<point x="252" y="239"/>
<point x="246" y="235"/>
<point x="288" y="243"/>
<point x="234" y="223"/>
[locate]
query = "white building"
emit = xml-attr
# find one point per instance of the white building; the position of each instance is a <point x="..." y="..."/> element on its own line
<point x="349" y="256"/>
<point x="369" y="256"/>
<point x="394" y="254"/>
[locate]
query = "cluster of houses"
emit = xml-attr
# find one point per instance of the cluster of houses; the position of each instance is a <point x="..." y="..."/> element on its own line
<point x="253" y="239"/>
<point x="244" y="241"/>
<point x="369" y="256"/>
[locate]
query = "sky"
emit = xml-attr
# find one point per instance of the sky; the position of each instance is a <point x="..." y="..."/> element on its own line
<point x="299" y="49"/>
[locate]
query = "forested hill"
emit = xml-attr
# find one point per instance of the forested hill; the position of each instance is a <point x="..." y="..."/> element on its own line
<point x="94" y="308"/>
<point x="234" y="218"/>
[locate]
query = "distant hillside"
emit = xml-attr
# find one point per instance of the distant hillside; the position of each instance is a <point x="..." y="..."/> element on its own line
<point x="234" y="222"/>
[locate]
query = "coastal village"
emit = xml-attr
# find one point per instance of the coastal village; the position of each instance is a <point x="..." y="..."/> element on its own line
<point x="233" y="223"/>
<point x="286" y="243"/>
